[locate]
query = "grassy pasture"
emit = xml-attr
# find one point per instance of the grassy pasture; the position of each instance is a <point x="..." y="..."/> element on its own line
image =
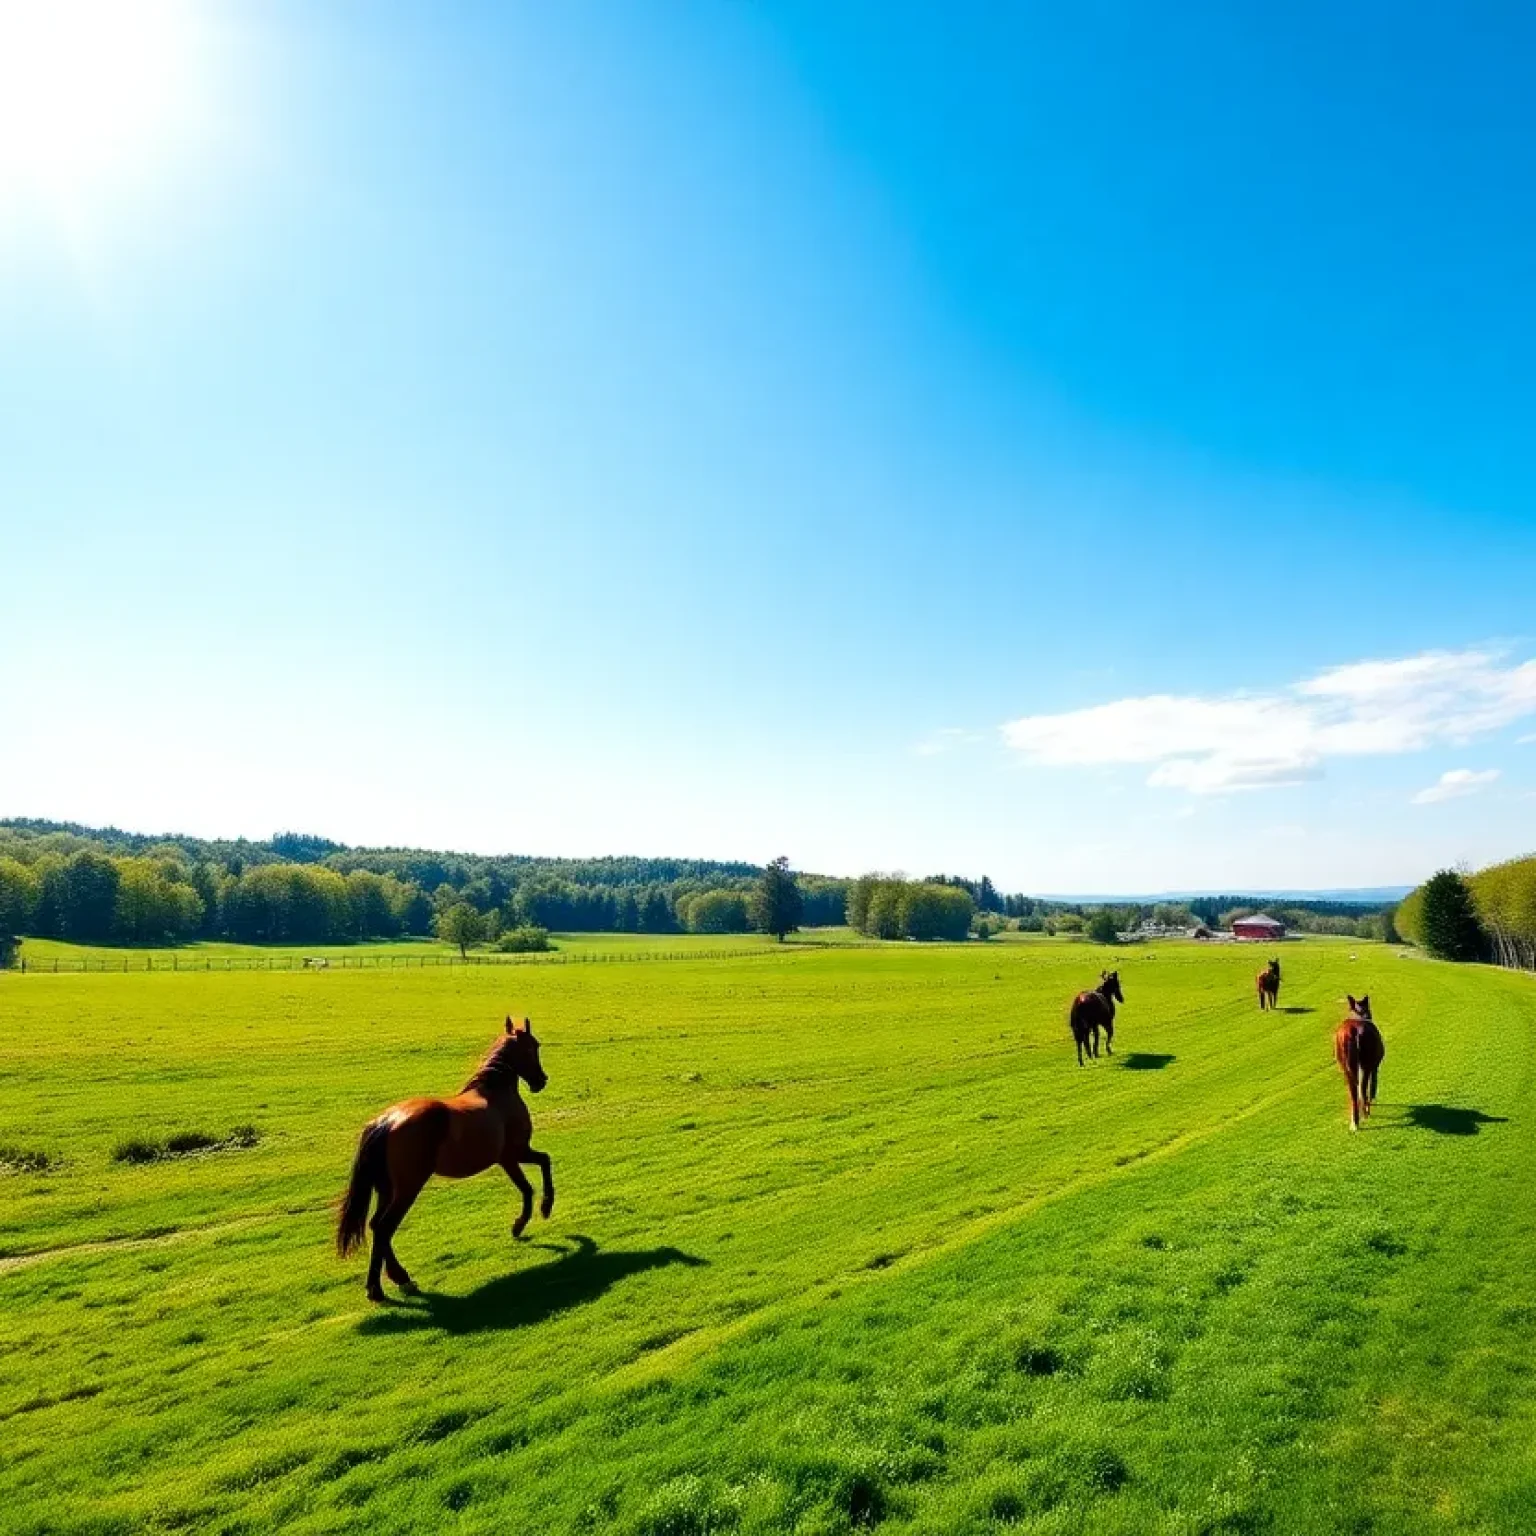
<point x="844" y="1240"/>
<point x="40" y="953"/>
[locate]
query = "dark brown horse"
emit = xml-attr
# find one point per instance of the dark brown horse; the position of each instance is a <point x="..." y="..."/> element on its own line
<point x="1093" y="1011"/>
<point x="1268" y="984"/>
<point x="485" y="1126"/>
<point x="1359" y="1049"/>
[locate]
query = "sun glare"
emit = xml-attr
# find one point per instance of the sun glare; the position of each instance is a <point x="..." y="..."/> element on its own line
<point x="93" y="94"/>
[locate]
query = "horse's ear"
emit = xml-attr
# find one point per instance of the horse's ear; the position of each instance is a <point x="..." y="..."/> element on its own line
<point x="510" y="1029"/>
<point x="1103" y="975"/>
<point x="1353" y="1006"/>
<point x="527" y="1026"/>
<point x="1365" y="1003"/>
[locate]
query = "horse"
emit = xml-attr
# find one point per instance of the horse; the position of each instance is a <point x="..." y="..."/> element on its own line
<point x="1093" y="1011"/>
<point x="485" y="1125"/>
<point x="1268" y="984"/>
<point x="1359" y="1049"/>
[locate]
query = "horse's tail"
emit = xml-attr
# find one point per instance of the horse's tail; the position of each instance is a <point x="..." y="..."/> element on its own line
<point x="368" y="1173"/>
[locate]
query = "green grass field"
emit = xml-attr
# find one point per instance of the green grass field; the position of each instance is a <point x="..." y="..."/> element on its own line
<point x="40" y="954"/>
<point x="845" y="1239"/>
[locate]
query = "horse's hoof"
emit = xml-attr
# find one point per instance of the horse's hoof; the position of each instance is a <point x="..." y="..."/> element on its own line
<point x="546" y="1205"/>
<point x="376" y="1295"/>
<point x="409" y="1288"/>
<point x="518" y="1225"/>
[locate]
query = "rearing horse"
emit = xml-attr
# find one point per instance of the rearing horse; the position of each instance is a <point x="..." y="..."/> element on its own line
<point x="486" y="1125"/>
<point x="1268" y="984"/>
<point x="1359" y="1049"/>
<point x="1093" y="1011"/>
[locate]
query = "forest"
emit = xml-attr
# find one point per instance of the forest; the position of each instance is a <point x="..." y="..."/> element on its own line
<point x="64" y="880"/>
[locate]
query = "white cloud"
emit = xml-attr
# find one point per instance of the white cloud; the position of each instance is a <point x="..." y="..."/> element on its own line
<point x="1263" y="740"/>
<point x="1456" y="783"/>
<point x="1527" y="740"/>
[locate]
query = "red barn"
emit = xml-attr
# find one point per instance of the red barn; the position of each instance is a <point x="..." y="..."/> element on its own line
<point x="1260" y="926"/>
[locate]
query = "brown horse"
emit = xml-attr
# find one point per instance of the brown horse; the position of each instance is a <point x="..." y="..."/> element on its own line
<point x="1268" y="984"/>
<point x="1093" y="1011"/>
<point x="485" y="1126"/>
<point x="1359" y="1049"/>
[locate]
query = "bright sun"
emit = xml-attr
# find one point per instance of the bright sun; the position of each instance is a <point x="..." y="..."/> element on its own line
<point x="92" y="93"/>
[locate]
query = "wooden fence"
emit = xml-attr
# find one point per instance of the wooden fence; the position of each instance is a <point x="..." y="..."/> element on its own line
<point x="56" y="966"/>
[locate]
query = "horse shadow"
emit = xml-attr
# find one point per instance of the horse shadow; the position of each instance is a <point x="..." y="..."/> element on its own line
<point x="1444" y="1120"/>
<point x="527" y="1297"/>
<point x="1145" y="1061"/>
<point x="1296" y="1010"/>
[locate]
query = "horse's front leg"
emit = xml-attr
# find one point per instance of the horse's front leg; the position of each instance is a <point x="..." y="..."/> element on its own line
<point x="546" y="1174"/>
<point x="1109" y="1038"/>
<point x="525" y="1189"/>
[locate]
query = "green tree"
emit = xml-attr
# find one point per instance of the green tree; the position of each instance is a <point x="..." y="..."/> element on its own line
<point x="932" y="911"/>
<point x="1101" y="927"/>
<point x="717" y="912"/>
<point x="20" y="889"/>
<point x="776" y="905"/>
<point x="856" y="904"/>
<point x="153" y="905"/>
<point x="886" y="915"/>
<point x="1448" y="919"/>
<point x="89" y="896"/>
<point x="461" y="925"/>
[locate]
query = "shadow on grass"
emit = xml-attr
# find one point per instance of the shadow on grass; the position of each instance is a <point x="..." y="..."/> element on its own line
<point x="1296" y="1010"/>
<point x="1446" y="1121"/>
<point x="1145" y="1061"/>
<point x="527" y="1296"/>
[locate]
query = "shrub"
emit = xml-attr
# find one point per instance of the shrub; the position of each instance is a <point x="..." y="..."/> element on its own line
<point x="145" y="1149"/>
<point x="26" y="1160"/>
<point x="526" y="939"/>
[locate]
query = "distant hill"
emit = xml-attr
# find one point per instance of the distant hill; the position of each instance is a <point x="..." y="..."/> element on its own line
<point x="1355" y="896"/>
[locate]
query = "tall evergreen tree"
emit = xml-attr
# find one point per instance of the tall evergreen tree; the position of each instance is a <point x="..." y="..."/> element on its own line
<point x="777" y="905"/>
<point x="1449" y="919"/>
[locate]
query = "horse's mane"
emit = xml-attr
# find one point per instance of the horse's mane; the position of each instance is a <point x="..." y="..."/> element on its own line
<point x="497" y="1068"/>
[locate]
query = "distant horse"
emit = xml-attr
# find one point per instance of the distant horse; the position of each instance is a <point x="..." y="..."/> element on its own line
<point x="1268" y="983"/>
<point x="1358" y="1046"/>
<point x="486" y="1125"/>
<point x="1093" y="1011"/>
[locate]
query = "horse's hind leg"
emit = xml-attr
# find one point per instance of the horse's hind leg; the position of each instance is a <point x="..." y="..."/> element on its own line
<point x="385" y="1225"/>
<point x="525" y="1189"/>
<point x="1109" y="1038"/>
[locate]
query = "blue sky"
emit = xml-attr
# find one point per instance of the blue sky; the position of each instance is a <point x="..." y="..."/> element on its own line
<point x="990" y="441"/>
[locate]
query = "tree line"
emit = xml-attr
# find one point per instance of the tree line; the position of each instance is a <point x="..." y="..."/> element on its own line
<point x="1489" y="915"/>
<point x="60" y="881"/>
<point x="103" y="885"/>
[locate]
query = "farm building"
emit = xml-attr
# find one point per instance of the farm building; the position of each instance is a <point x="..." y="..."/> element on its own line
<point x="1260" y="926"/>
